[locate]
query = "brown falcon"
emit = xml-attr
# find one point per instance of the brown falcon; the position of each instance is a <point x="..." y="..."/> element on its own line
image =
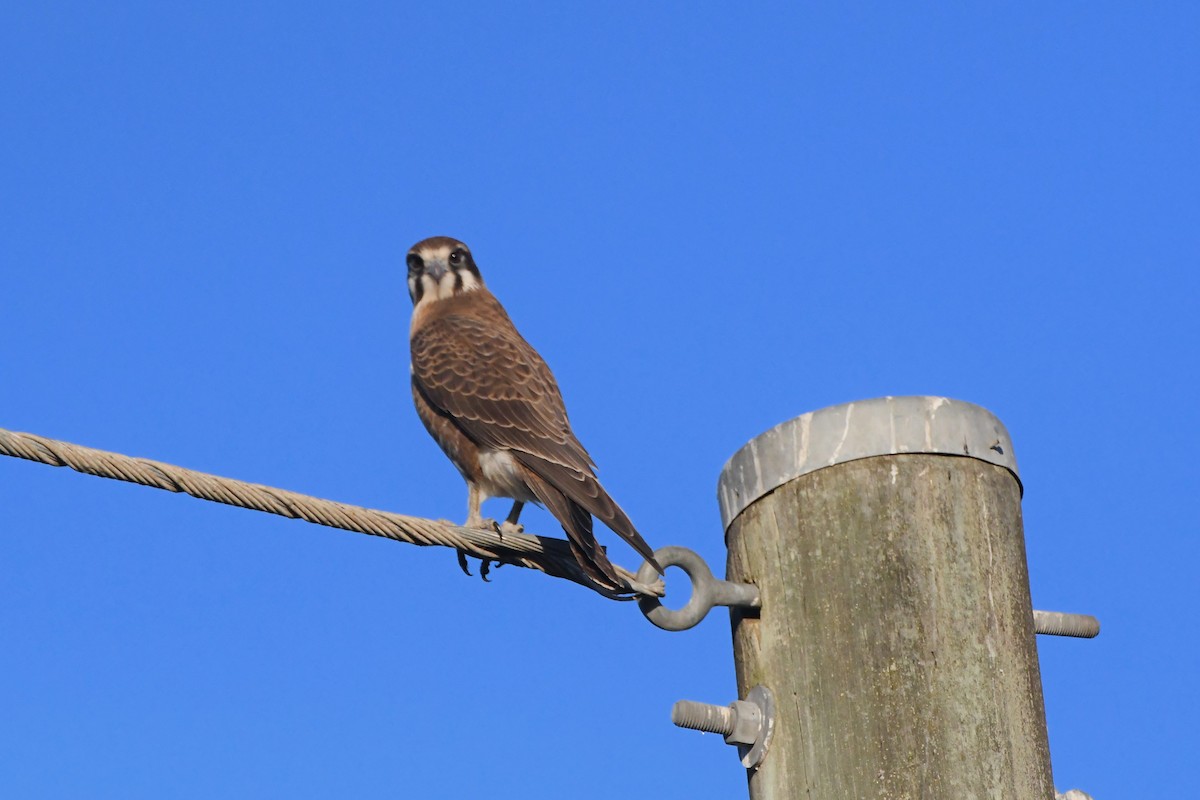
<point x="491" y="403"/>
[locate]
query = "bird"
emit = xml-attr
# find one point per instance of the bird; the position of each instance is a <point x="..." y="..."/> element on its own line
<point x="494" y="408"/>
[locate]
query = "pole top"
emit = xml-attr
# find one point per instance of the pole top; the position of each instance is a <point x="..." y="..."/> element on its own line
<point x="879" y="427"/>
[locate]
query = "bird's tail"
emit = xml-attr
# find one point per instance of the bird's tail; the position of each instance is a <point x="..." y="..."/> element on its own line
<point x="577" y="523"/>
<point x="616" y="518"/>
<point x="582" y="489"/>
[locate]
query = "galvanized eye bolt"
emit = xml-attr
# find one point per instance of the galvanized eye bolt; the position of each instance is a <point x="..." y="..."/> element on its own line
<point x="707" y="591"/>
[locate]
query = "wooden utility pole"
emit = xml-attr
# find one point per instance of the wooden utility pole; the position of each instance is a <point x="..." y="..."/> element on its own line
<point x="896" y="632"/>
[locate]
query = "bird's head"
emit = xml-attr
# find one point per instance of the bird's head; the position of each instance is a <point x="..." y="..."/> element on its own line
<point x="440" y="267"/>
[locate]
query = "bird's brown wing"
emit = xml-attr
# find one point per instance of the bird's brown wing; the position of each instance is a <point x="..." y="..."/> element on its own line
<point x="496" y="387"/>
<point x="500" y="392"/>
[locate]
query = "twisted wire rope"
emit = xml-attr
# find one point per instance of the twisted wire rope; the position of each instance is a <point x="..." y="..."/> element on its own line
<point x="545" y="554"/>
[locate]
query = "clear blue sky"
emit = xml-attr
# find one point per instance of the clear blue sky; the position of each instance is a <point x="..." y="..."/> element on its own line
<point x="708" y="219"/>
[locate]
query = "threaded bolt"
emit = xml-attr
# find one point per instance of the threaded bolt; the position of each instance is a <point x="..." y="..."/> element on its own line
<point x="746" y="723"/>
<point x="1056" y="623"/>
<point x="703" y="717"/>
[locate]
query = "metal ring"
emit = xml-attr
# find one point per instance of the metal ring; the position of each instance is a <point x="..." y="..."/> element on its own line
<point x="707" y="591"/>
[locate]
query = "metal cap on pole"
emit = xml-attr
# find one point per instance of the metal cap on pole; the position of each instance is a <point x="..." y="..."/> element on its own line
<point x="895" y="630"/>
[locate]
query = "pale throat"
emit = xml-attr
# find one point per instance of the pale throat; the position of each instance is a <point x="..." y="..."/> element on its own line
<point x="450" y="284"/>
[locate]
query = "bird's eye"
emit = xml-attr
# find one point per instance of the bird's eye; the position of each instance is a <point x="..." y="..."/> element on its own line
<point x="456" y="258"/>
<point x="415" y="264"/>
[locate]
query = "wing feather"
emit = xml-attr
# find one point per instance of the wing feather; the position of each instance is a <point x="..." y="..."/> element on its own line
<point x="497" y="387"/>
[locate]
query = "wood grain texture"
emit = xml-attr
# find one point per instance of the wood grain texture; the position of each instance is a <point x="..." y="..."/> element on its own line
<point x="896" y="632"/>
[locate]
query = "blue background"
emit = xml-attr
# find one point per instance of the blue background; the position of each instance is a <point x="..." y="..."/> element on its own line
<point x="709" y="219"/>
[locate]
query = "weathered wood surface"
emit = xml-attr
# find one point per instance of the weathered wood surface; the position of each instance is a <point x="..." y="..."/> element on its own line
<point x="896" y="632"/>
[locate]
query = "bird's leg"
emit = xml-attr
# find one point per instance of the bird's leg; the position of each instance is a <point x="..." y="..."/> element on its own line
<point x="475" y="519"/>
<point x="510" y="524"/>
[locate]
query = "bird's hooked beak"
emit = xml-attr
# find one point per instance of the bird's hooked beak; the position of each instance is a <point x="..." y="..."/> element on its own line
<point x="436" y="268"/>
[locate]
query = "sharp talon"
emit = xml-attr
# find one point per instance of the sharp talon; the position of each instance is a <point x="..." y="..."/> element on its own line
<point x="462" y="562"/>
<point x="485" y="567"/>
<point x="511" y="528"/>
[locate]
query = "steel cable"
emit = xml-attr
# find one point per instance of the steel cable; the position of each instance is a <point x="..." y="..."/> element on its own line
<point x="549" y="555"/>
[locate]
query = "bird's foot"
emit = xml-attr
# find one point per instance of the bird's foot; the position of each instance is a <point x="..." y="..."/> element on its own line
<point x="485" y="566"/>
<point x="510" y="528"/>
